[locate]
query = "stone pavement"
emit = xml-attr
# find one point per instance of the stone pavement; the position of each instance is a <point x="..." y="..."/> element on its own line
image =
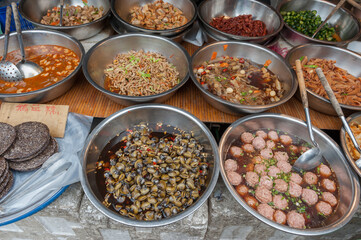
<point x="72" y="216"/>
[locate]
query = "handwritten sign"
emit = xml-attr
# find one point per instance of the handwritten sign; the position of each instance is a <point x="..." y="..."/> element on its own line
<point x="54" y="116"/>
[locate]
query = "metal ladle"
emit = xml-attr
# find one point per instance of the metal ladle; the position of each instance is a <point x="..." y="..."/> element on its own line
<point x="8" y="71"/>
<point x="312" y="157"/>
<point x="339" y="111"/>
<point x="61" y="12"/>
<point x="27" y="68"/>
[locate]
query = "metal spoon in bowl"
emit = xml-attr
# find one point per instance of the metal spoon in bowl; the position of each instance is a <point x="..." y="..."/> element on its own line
<point x="61" y="12"/>
<point x="27" y="68"/>
<point x="339" y="111"/>
<point x="312" y="157"/>
<point x="8" y="71"/>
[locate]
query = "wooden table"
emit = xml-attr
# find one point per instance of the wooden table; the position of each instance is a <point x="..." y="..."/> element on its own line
<point x="85" y="99"/>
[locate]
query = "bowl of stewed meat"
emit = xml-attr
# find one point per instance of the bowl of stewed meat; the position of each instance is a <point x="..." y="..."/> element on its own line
<point x="257" y="155"/>
<point x="241" y="77"/>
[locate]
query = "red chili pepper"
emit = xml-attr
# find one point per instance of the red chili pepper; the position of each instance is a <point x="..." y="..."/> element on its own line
<point x="202" y="83"/>
<point x="203" y="73"/>
<point x="225" y="70"/>
<point x="200" y="171"/>
<point x="148" y="149"/>
<point x="154" y="163"/>
<point x="233" y="77"/>
<point x="241" y="60"/>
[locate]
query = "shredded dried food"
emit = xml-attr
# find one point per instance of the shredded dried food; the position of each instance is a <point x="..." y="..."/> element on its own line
<point x="157" y="16"/>
<point x="356" y="130"/>
<point x="346" y="87"/>
<point x="57" y="62"/>
<point x="72" y="15"/>
<point x="139" y="73"/>
<point x="148" y="174"/>
<point x="239" y="81"/>
<point x="242" y="25"/>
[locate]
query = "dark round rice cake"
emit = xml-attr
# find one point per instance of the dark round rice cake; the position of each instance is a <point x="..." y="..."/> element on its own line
<point x="8" y="186"/>
<point x="31" y="137"/>
<point x="4" y="172"/>
<point x="30" y="157"/>
<point x="3" y="166"/>
<point x="6" y="180"/>
<point x="7" y="136"/>
<point x="37" y="161"/>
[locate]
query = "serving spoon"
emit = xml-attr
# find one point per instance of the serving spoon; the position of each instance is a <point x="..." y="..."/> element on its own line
<point x="61" y="12"/>
<point x="8" y="71"/>
<point x="312" y="157"/>
<point x="339" y="111"/>
<point x="27" y="68"/>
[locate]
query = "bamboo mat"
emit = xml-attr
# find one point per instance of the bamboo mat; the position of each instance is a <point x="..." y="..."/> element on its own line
<point x="85" y="99"/>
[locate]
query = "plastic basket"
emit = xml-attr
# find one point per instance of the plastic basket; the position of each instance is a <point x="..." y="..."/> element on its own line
<point x="25" y="25"/>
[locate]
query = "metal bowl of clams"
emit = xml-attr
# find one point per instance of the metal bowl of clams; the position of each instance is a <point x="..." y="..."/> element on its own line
<point x="156" y="187"/>
<point x="349" y="190"/>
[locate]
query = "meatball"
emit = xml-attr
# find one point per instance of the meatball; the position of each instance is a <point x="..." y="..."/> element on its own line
<point x="280" y="202"/>
<point x="284" y="166"/>
<point x="281" y="185"/>
<point x="260" y="169"/>
<point x="234" y="178"/>
<point x="293" y="149"/>
<point x="324" y="170"/>
<point x="330" y="198"/>
<point x="230" y="165"/>
<point x="266" y="153"/>
<point x="242" y="190"/>
<point x="295" y="190"/>
<point x="236" y="151"/>
<point x="257" y="159"/>
<point x="295" y="220"/>
<point x="263" y="195"/>
<point x="248" y="148"/>
<point x="273" y="171"/>
<point x="280" y="217"/>
<point x="328" y="184"/>
<point x="296" y="178"/>
<point x="310" y="178"/>
<point x="309" y="196"/>
<point x="270" y="144"/>
<point x="285" y="140"/>
<point x="267" y="182"/>
<point x="258" y="143"/>
<point x="261" y="134"/>
<point x="324" y="208"/>
<point x="281" y="156"/>
<point x="252" y="179"/>
<point x="247" y="137"/>
<point x="266" y="210"/>
<point x="251" y="201"/>
<point x="273" y="136"/>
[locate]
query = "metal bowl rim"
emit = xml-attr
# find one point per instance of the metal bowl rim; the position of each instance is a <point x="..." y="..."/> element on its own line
<point x="190" y="22"/>
<point x="235" y="105"/>
<point x="155" y="223"/>
<point x="308" y="232"/>
<point x="126" y="97"/>
<point x="242" y="38"/>
<point x="59" y="28"/>
<point x="343" y="42"/>
<point x="349" y="119"/>
<point x="76" y="70"/>
<point x="354" y="108"/>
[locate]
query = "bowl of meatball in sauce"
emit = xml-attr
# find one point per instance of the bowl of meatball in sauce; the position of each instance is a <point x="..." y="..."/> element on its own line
<point x="257" y="155"/>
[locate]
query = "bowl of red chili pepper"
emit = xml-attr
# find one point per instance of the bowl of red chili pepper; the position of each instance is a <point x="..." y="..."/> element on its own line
<point x="82" y="19"/>
<point x="241" y="77"/>
<point x="245" y="20"/>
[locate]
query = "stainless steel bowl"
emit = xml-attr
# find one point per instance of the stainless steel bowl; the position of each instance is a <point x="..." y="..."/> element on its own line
<point x="344" y="58"/>
<point x="353" y="118"/>
<point x="346" y="24"/>
<point x="44" y="37"/>
<point x="103" y="53"/>
<point x="210" y="9"/>
<point x="349" y="195"/>
<point x="118" y="28"/>
<point x="257" y="54"/>
<point x="121" y="11"/>
<point x="127" y="118"/>
<point x="34" y="10"/>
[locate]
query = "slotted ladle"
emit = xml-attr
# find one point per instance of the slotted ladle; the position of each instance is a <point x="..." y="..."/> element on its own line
<point x="8" y="71"/>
